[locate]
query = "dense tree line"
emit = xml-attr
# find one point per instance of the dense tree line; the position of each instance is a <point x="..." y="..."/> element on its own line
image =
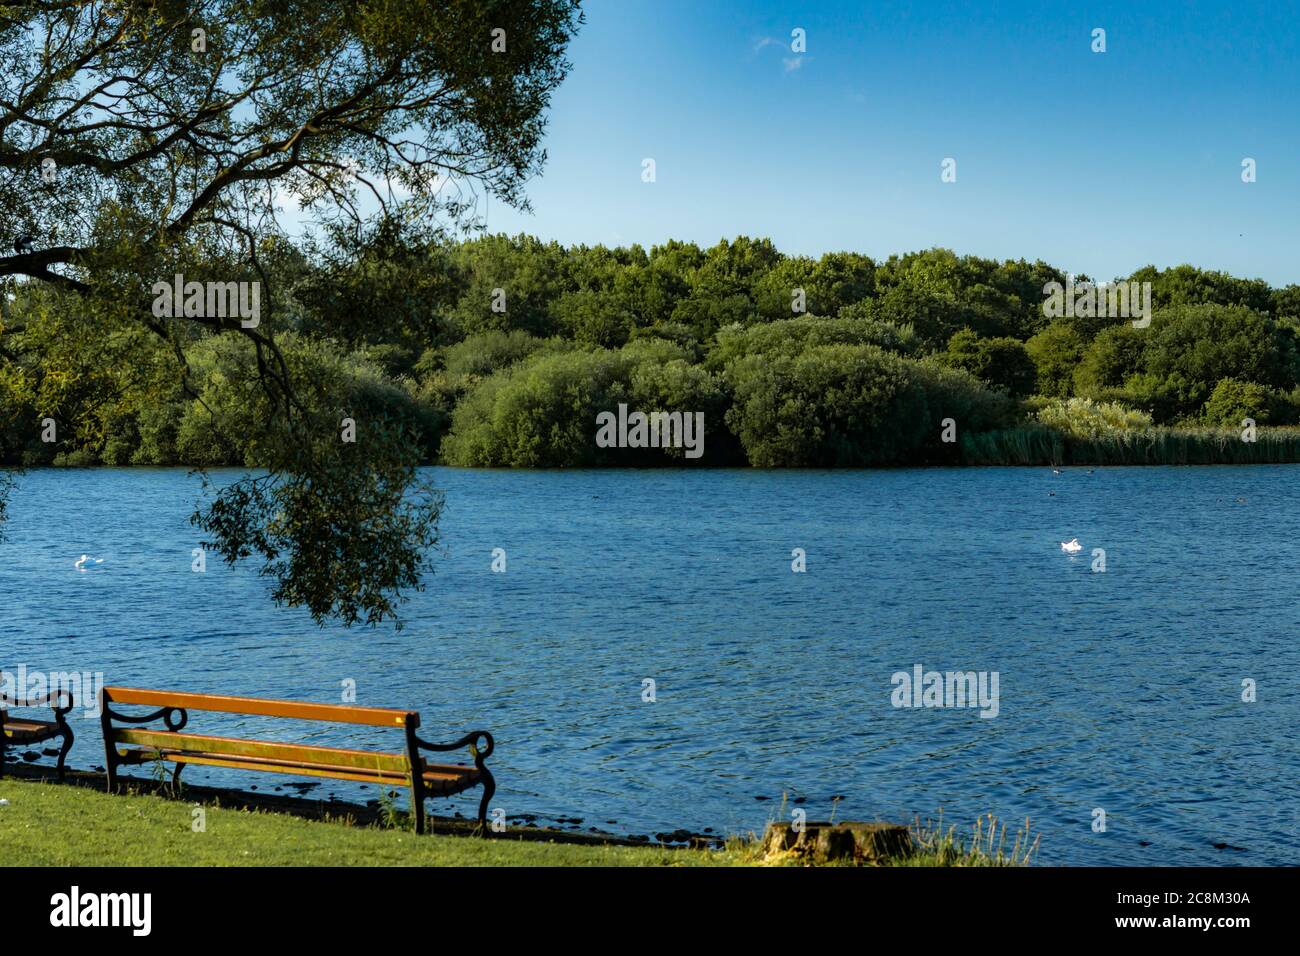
<point x="501" y="351"/>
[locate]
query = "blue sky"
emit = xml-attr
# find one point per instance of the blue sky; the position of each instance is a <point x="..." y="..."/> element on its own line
<point x="1096" y="162"/>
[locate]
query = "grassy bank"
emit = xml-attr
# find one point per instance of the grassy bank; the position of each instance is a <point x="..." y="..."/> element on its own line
<point x="57" y="825"/>
<point x="45" y="824"/>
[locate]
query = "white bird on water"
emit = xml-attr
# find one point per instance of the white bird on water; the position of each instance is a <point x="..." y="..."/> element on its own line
<point x="82" y="561"/>
<point x="1072" y="546"/>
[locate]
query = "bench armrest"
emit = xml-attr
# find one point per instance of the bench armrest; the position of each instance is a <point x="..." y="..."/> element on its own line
<point x="469" y="740"/>
<point x="173" y="718"/>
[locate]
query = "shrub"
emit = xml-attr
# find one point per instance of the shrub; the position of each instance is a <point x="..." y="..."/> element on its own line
<point x="829" y="405"/>
<point x="542" y="412"/>
<point x="675" y="385"/>
<point x="1055" y="351"/>
<point x="1085" y="418"/>
<point x="791" y="336"/>
<point x="1233" y="400"/>
<point x="1110" y="359"/>
<point x="487" y="352"/>
<point x="227" y="423"/>
<point x="1000" y="362"/>
<point x="1192" y="348"/>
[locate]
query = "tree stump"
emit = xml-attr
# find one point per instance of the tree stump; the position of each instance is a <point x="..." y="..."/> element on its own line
<point x="825" y="842"/>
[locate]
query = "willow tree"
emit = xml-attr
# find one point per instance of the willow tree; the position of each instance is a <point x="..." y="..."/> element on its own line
<point x="143" y="140"/>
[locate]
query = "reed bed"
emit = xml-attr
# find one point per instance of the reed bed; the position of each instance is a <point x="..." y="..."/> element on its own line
<point x="1040" y="445"/>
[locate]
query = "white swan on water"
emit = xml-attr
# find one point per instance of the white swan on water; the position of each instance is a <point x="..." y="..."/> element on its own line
<point x="84" y="559"/>
<point x="1072" y="546"/>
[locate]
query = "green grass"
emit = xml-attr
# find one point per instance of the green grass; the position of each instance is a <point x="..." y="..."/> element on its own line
<point x="46" y="824"/>
<point x="987" y="845"/>
<point x="54" y="825"/>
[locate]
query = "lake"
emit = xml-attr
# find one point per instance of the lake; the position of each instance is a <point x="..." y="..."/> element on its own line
<point x="1119" y="691"/>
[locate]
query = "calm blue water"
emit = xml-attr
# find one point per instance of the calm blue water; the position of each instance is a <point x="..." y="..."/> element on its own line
<point x="1119" y="690"/>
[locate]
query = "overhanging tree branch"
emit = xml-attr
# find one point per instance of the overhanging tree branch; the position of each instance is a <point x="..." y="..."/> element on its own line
<point x="133" y="152"/>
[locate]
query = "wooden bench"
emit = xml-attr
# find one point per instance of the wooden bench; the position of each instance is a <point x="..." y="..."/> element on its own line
<point x="130" y="746"/>
<point x="26" y="732"/>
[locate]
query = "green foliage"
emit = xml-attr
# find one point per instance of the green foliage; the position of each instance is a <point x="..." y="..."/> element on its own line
<point x="1084" y="418"/>
<point x="386" y="284"/>
<point x="1191" y="348"/>
<point x="677" y="328"/>
<point x="944" y="293"/>
<point x="592" y="317"/>
<point x="488" y="352"/>
<point x="791" y="336"/>
<point x="89" y="373"/>
<point x="343" y="529"/>
<point x="1114" y="354"/>
<point x="1001" y="362"/>
<point x="1188" y="285"/>
<point x="956" y="394"/>
<point x="1286" y="302"/>
<point x="331" y="521"/>
<point x="850" y="405"/>
<point x="1233" y="400"/>
<point x="230" y="419"/>
<point x="833" y="282"/>
<point x="830" y="405"/>
<point x="1037" y="444"/>
<point x="334" y="509"/>
<point x="1055" y="352"/>
<point x="1187" y="446"/>
<point x="542" y="412"/>
<point x="934" y="316"/>
<point x="528" y="273"/>
<point x="662" y="379"/>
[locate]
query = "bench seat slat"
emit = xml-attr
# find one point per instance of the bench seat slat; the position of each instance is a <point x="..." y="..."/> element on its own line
<point x="296" y="709"/>
<point x="266" y="750"/>
<point x="33" y="730"/>
<point x="438" y="779"/>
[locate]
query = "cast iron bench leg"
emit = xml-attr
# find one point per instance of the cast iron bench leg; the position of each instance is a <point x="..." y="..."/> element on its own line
<point x="63" y="751"/>
<point x="489" y="788"/>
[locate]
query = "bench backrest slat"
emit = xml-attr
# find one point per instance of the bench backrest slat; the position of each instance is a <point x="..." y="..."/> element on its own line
<point x="300" y="710"/>
<point x="265" y="750"/>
